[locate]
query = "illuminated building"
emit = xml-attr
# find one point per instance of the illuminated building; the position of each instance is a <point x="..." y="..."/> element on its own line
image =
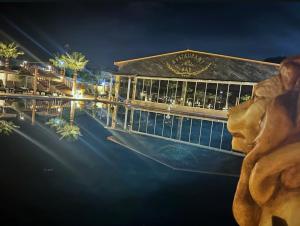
<point x="185" y="82"/>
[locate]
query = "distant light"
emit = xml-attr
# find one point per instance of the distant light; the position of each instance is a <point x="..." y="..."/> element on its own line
<point x="59" y="109"/>
<point x="49" y="67"/>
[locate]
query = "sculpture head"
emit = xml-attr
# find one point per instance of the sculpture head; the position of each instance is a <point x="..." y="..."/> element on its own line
<point x="252" y="124"/>
<point x="267" y="129"/>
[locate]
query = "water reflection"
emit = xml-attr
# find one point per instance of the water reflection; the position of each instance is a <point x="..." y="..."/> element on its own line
<point x="7" y="127"/>
<point x="181" y="142"/>
<point x="65" y="130"/>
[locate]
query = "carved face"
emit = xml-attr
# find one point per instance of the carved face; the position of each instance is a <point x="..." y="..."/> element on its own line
<point x="246" y="121"/>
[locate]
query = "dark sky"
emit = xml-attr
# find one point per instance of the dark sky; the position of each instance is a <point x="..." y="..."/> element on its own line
<point x="118" y="30"/>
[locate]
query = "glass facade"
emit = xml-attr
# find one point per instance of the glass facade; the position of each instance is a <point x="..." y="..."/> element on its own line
<point x="199" y="94"/>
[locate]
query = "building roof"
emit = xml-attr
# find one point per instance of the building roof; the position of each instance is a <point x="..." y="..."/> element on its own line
<point x="198" y="65"/>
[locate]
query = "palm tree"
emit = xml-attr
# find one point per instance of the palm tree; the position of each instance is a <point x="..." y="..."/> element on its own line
<point x="58" y="62"/>
<point x="7" y="127"/>
<point x="8" y="51"/>
<point x="76" y="62"/>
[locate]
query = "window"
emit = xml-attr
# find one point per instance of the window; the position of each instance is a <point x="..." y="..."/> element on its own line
<point x="210" y="95"/>
<point x="200" y="93"/>
<point x="190" y="91"/>
<point x="172" y="88"/>
<point x="246" y="93"/>
<point x="139" y="89"/>
<point x="162" y="98"/>
<point x="233" y="96"/>
<point x="221" y="103"/>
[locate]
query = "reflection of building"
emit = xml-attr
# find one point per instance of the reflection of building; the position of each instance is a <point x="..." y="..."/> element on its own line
<point x="189" y="81"/>
<point x="198" y="131"/>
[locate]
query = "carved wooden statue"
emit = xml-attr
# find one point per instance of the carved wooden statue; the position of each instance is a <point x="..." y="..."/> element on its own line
<point x="267" y="129"/>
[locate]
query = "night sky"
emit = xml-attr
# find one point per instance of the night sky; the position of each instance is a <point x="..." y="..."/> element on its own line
<point x="117" y="30"/>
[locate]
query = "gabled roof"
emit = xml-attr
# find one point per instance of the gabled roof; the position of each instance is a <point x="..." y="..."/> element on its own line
<point x="119" y="63"/>
<point x="198" y="65"/>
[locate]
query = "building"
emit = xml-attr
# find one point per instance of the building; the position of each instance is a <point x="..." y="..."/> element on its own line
<point x="183" y="96"/>
<point x="189" y="81"/>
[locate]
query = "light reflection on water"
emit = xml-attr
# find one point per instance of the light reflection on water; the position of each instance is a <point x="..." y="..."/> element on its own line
<point x="108" y="176"/>
<point x="178" y="142"/>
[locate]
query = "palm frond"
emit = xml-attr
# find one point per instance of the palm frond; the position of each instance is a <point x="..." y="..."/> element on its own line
<point x="70" y="132"/>
<point x="9" y="50"/>
<point x="7" y="127"/>
<point x="75" y="61"/>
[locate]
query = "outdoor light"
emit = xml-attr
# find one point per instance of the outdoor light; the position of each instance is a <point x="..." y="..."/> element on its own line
<point x="49" y="67"/>
<point x="59" y="109"/>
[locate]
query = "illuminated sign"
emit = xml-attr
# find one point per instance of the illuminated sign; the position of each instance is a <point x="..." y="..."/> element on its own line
<point x="188" y="64"/>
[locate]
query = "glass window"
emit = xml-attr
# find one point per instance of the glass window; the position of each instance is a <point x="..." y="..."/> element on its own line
<point x="147" y="89"/>
<point x="123" y="88"/>
<point x="179" y="98"/>
<point x="190" y="91"/>
<point x="200" y="93"/>
<point x="139" y="89"/>
<point x="246" y="93"/>
<point x="210" y="95"/>
<point x="233" y="96"/>
<point x="221" y="97"/>
<point x="163" y="91"/>
<point x="154" y="90"/>
<point x="172" y="92"/>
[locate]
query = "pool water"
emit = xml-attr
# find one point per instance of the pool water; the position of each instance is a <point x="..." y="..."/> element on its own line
<point x="95" y="181"/>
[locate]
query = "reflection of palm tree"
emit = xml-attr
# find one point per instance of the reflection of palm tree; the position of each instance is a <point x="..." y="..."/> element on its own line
<point x="56" y="122"/>
<point x="7" y="127"/>
<point x="65" y="130"/>
<point x="69" y="132"/>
